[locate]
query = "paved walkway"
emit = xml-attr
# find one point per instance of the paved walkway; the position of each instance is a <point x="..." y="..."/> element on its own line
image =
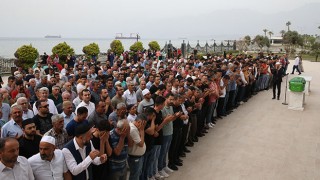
<point x="262" y="139"/>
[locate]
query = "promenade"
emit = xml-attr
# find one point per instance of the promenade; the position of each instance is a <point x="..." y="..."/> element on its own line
<point x="260" y="140"/>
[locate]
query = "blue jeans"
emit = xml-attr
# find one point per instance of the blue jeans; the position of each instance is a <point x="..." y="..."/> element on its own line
<point x="162" y="160"/>
<point x="156" y="156"/>
<point x="147" y="163"/>
<point x="135" y="164"/>
<point x="210" y="112"/>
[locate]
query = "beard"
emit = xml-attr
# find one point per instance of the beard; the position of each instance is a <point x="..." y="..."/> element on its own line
<point x="11" y="160"/>
<point x="44" y="156"/>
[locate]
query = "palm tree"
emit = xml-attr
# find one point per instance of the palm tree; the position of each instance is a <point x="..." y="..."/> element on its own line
<point x="282" y="32"/>
<point x="270" y="34"/>
<point x="288" y="24"/>
<point x="265" y="32"/>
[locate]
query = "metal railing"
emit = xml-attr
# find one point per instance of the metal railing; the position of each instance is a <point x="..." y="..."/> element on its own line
<point x="6" y="65"/>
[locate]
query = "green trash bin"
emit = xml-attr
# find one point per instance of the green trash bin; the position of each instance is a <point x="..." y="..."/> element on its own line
<point x="297" y="84"/>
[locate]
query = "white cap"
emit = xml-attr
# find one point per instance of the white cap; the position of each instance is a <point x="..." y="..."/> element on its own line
<point x="117" y="83"/>
<point x="49" y="139"/>
<point x="145" y="91"/>
<point x="278" y="63"/>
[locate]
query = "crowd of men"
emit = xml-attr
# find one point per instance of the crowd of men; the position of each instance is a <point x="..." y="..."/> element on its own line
<point x="133" y="114"/>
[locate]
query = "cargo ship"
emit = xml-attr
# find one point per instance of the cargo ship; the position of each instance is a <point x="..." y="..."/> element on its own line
<point x="51" y="36"/>
<point x="132" y="36"/>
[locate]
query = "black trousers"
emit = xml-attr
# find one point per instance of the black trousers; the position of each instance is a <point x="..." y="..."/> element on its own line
<point x="175" y="144"/>
<point x="184" y="133"/>
<point x="193" y="127"/>
<point x="220" y="106"/>
<point x="201" y="116"/>
<point x="276" y="85"/>
<point x="230" y="104"/>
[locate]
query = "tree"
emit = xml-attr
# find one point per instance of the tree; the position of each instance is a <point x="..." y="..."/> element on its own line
<point x="62" y="50"/>
<point x="292" y="39"/>
<point x="270" y="34"/>
<point x="154" y="46"/>
<point x="261" y="41"/>
<point x="247" y="40"/>
<point x="26" y="56"/>
<point x="265" y="32"/>
<point x="92" y="50"/>
<point x="282" y="32"/>
<point x="137" y="46"/>
<point x="288" y="24"/>
<point x="315" y="49"/>
<point x="117" y="47"/>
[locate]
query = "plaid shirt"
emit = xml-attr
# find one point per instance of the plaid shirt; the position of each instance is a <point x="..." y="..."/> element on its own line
<point x="61" y="139"/>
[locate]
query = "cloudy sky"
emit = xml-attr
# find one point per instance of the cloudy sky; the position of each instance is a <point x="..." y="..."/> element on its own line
<point x="156" y="19"/>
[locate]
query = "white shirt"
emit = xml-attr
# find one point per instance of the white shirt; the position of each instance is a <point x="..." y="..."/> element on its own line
<point x="72" y="164"/>
<point x="80" y="87"/>
<point x="76" y="101"/>
<point x="63" y="71"/>
<point x="27" y="115"/>
<point x="296" y="61"/>
<point x="131" y="117"/>
<point x="47" y="170"/>
<point x="223" y="90"/>
<point x="52" y="107"/>
<point x="136" y="150"/>
<point x="20" y="171"/>
<point x="130" y="98"/>
<point x="89" y="106"/>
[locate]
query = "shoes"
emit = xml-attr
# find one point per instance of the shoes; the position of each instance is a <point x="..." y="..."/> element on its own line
<point x="274" y="97"/>
<point x="219" y="117"/>
<point x="158" y="176"/>
<point x="291" y="73"/>
<point x="189" y="144"/>
<point x="173" y="167"/>
<point x="299" y="73"/>
<point x="163" y="173"/>
<point x="212" y="124"/>
<point x="178" y="163"/>
<point x="186" y="150"/>
<point x="278" y="98"/>
<point x="167" y="170"/>
<point x="209" y="125"/>
<point x="183" y="154"/>
<point x="206" y="127"/>
<point x="204" y="131"/>
<point x="195" y="139"/>
<point x="241" y="102"/>
<point x="151" y="178"/>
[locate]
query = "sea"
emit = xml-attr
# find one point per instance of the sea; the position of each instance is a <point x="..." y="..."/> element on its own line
<point x="8" y="46"/>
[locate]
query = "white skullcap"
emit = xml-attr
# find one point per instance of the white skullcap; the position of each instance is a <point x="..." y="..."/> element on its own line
<point x="49" y="139"/>
<point x="145" y="91"/>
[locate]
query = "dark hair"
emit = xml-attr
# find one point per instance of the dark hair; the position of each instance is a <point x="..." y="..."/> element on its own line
<point x="82" y="110"/>
<point x="3" y="142"/>
<point x="11" y="78"/>
<point x="159" y="100"/>
<point x="27" y="122"/>
<point x="142" y="117"/>
<point x="168" y="95"/>
<point x="104" y="125"/>
<point x="19" y="82"/>
<point x="86" y="90"/>
<point x="38" y="103"/>
<point x="148" y="111"/>
<point x="83" y="76"/>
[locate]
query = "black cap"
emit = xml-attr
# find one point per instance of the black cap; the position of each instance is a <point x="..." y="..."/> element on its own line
<point x="82" y="129"/>
<point x="26" y="122"/>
